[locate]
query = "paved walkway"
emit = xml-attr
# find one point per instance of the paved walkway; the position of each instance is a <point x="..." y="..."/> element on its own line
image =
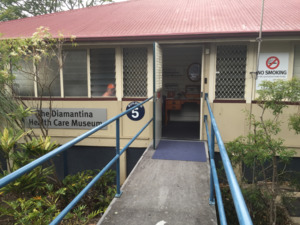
<point x="163" y="192"/>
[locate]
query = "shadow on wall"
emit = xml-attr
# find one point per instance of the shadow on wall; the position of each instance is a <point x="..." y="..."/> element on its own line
<point x="80" y="158"/>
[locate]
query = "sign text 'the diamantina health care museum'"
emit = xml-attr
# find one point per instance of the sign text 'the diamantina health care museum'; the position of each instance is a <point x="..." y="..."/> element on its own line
<point x="68" y="118"/>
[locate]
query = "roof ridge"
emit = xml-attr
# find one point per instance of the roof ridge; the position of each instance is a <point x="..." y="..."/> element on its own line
<point x="65" y="12"/>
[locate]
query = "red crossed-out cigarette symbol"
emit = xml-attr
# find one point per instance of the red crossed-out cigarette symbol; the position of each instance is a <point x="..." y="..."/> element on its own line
<point x="272" y="62"/>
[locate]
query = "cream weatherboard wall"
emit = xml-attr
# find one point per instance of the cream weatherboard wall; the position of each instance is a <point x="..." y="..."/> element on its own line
<point x="209" y="70"/>
<point x="232" y="122"/>
<point x="231" y="117"/>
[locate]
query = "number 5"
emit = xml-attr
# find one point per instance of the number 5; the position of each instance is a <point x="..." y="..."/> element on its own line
<point x="135" y="113"/>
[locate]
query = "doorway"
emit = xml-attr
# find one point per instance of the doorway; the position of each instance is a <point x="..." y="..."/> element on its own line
<point x="181" y="78"/>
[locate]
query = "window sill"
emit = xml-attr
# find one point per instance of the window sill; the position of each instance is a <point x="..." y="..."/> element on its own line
<point x="134" y="99"/>
<point x="286" y="103"/>
<point x="229" y="101"/>
<point x="71" y="99"/>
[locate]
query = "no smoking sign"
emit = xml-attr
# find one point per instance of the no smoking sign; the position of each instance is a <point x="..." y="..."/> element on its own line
<point x="272" y="62"/>
<point x="272" y="66"/>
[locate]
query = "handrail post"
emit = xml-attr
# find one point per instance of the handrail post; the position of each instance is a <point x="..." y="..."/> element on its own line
<point x="212" y="157"/>
<point x="65" y="161"/>
<point x="119" y="193"/>
<point x="211" y="141"/>
<point x="237" y="196"/>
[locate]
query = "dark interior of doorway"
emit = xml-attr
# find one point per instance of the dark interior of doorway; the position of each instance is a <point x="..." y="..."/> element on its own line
<point x="181" y="130"/>
<point x="181" y="122"/>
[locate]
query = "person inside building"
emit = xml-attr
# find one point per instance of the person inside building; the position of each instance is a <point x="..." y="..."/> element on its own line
<point x="110" y="91"/>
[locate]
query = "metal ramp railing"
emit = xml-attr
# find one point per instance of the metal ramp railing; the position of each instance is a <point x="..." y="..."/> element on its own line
<point x="238" y="199"/>
<point x="14" y="175"/>
<point x="240" y="206"/>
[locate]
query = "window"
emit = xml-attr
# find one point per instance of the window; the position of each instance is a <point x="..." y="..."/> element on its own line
<point x="75" y="73"/>
<point x="48" y="81"/>
<point x="102" y="71"/>
<point x="135" y="72"/>
<point x="24" y="81"/>
<point x="102" y="74"/>
<point x="231" y="71"/>
<point x="297" y="62"/>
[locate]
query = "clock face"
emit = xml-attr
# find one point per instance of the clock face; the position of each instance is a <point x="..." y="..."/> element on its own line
<point x="194" y="72"/>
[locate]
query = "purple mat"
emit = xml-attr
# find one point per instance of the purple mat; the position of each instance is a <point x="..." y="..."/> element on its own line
<point x="180" y="150"/>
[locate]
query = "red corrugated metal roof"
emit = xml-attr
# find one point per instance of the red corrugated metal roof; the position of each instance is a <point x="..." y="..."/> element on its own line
<point x="142" y="19"/>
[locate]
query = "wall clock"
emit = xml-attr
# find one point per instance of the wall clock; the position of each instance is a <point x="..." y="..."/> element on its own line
<point x="194" y="72"/>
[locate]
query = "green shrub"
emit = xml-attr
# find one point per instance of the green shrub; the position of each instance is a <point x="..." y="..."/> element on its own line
<point x="99" y="196"/>
<point x="29" y="184"/>
<point x="42" y="206"/>
<point x="264" y="152"/>
<point x="257" y="203"/>
<point x="37" y="197"/>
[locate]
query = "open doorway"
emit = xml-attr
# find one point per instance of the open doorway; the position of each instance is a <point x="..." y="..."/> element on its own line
<point x="182" y="67"/>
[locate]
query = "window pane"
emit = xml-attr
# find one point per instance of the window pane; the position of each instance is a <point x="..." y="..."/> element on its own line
<point x="297" y="62"/>
<point x="75" y="73"/>
<point x="135" y="72"/>
<point x="231" y="71"/>
<point x="102" y="72"/>
<point x="24" y="81"/>
<point x="48" y="81"/>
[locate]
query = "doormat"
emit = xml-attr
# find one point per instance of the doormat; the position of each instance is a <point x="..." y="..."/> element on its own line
<point x="180" y="150"/>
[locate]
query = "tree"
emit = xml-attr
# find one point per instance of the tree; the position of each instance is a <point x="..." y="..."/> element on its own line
<point x="16" y="9"/>
<point x="8" y="103"/>
<point x="76" y="4"/>
<point x="294" y="122"/>
<point x="263" y="149"/>
<point x="34" y="58"/>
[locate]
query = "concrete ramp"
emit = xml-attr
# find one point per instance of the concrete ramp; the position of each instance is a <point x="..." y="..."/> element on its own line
<point x="163" y="192"/>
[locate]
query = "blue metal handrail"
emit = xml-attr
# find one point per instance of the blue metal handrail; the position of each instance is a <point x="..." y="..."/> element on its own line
<point x="16" y="174"/>
<point x="238" y="199"/>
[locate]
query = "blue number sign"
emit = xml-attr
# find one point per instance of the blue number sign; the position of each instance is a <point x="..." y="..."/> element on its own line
<point x="137" y="113"/>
